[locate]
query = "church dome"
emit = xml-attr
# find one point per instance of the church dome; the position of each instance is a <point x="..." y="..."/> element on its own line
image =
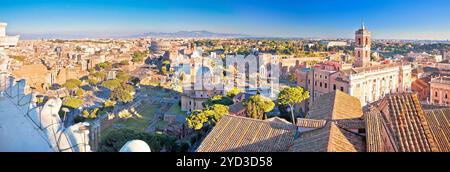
<point x="135" y="146"/>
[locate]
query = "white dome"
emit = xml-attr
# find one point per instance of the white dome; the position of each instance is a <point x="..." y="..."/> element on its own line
<point x="135" y="146"/>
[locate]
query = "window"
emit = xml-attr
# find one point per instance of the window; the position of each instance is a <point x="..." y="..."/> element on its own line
<point x="326" y="77"/>
<point x="320" y="84"/>
<point x="315" y="83"/>
<point x="334" y="86"/>
<point x="342" y="89"/>
<point x="435" y="94"/>
<point x="326" y="85"/>
<point x="320" y="76"/>
<point x="445" y="95"/>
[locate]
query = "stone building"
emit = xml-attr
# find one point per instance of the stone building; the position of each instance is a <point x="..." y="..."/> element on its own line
<point x="440" y="91"/>
<point x="368" y="83"/>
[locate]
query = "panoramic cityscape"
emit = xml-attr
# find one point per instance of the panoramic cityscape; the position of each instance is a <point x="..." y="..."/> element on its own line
<point x="253" y="76"/>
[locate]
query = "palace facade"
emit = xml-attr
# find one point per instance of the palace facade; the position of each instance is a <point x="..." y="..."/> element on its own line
<point x="367" y="81"/>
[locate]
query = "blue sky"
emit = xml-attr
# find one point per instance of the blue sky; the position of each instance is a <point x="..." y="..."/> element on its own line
<point x="391" y="19"/>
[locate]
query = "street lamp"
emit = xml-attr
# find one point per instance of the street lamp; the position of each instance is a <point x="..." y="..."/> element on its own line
<point x="65" y="110"/>
<point x="290" y="108"/>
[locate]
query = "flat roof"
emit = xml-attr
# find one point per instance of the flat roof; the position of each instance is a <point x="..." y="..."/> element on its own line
<point x="17" y="132"/>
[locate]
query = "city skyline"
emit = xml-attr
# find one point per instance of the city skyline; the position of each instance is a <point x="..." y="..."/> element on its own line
<point x="415" y="20"/>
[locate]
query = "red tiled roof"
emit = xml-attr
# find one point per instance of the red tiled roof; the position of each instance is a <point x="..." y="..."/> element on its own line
<point x="406" y="123"/>
<point x="439" y="123"/>
<point x="330" y="138"/>
<point x="335" y="106"/>
<point x="240" y="134"/>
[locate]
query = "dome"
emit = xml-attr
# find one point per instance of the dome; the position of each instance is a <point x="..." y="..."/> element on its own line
<point x="135" y="146"/>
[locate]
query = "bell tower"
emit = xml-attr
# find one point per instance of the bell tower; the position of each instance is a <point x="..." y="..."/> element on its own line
<point x="362" y="47"/>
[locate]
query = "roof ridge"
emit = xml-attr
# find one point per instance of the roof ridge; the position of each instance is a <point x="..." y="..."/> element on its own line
<point x="334" y="104"/>
<point x="329" y="124"/>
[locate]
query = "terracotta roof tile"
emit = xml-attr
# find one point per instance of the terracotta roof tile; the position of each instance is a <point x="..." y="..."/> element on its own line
<point x="310" y="123"/>
<point x="240" y="134"/>
<point x="374" y="140"/>
<point x="406" y="123"/>
<point x="329" y="138"/>
<point x="439" y="123"/>
<point x="334" y="106"/>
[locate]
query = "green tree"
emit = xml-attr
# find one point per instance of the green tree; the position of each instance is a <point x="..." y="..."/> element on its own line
<point x="121" y="95"/>
<point x="257" y="106"/>
<point x="92" y="81"/>
<point x="138" y="57"/>
<point x="104" y="66"/>
<point x="218" y="112"/>
<point x="109" y="103"/>
<point x="123" y="76"/>
<point x="218" y="99"/>
<point x="72" y="102"/>
<point x="112" y="84"/>
<point x="100" y="75"/>
<point x="198" y="119"/>
<point x="233" y="92"/>
<point x="291" y="96"/>
<point x="127" y="87"/>
<point x="72" y="84"/>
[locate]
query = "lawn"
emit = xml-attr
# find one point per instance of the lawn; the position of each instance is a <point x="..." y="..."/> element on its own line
<point x="175" y="109"/>
<point x="146" y="111"/>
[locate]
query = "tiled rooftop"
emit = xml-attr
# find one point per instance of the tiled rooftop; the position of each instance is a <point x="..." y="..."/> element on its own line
<point x="239" y="134"/>
<point x="338" y="105"/>
<point x="329" y="138"/>
<point x="408" y="127"/>
<point x="439" y="123"/>
<point x="332" y="118"/>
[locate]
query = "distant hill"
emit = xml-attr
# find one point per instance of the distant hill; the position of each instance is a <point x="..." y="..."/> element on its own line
<point x="191" y="34"/>
<point x="180" y="34"/>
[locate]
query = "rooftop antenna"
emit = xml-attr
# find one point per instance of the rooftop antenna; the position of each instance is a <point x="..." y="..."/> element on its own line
<point x="362" y="24"/>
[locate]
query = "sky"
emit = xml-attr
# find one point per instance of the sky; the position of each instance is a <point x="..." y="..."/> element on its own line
<point x="386" y="19"/>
